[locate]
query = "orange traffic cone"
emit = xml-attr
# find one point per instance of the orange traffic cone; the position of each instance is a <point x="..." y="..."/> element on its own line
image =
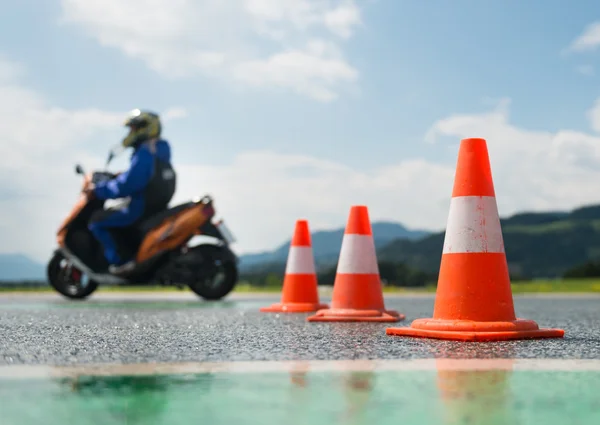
<point x="474" y="299"/>
<point x="300" y="293"/>
<point x="357" y="294"/>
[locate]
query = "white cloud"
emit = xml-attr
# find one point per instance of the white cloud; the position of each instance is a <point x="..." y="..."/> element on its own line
<point x="9" y="70"/>
<point x="594" y="116"/>
<point x="535" y="170"/>
<point x="586" y="70"/>
<point x="40" y="145"/>
<point x="174" y="113"/>
<point x="312" y="71"/>
<point x="257" y="42"/>
<point x="261" y="194"/>
<point x="342" y="19"/>
<point x="588" y="40"/>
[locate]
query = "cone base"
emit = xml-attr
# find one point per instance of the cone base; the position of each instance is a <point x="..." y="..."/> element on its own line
<point x="293" y="308"/>
<point x="467" y="330"/>
<point x="353" y="315"/>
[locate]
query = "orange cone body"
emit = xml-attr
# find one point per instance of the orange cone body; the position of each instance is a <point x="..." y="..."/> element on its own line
<point x="357" y="294"/>
<point x="300" y="292"/>
<point x="474" y="299"/>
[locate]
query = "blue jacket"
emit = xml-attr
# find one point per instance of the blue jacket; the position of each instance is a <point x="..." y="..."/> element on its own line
<point x="132" y="182"/>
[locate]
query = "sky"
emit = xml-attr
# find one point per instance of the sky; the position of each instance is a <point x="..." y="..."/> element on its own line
<point x="288" y="109"/>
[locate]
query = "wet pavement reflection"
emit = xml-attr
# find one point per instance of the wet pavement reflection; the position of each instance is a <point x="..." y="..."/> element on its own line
<point x="451" y="394"/>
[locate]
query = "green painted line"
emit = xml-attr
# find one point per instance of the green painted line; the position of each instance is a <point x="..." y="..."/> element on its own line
<point x="381" y="397"/>
<point x="159" y="305"/>
<point x="130" y="301"/>
<point x="583" y="285"/>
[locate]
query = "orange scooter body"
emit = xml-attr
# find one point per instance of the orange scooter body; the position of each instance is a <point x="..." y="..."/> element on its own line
<point x="173" y="231"/>
<point x="81" y="203"/>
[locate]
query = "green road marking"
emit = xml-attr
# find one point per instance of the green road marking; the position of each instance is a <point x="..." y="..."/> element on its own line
<point x="131" y="295"/>
<point x="448" y="395"/>
<point x="130" y="301"/>
<point x="584" y="285"/>
<point x="160" y="305"/>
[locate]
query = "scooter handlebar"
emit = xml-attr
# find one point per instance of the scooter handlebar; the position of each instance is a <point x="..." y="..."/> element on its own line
<point x="100" y="176"/>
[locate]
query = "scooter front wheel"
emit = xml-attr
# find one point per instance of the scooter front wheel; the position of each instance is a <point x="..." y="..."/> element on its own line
<point x="68" y="280"/>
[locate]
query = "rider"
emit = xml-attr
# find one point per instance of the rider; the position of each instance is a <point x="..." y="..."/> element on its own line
<point x="149" y="183"/>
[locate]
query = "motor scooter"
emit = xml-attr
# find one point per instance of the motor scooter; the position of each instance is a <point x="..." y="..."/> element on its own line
<point x="166" y="247"/>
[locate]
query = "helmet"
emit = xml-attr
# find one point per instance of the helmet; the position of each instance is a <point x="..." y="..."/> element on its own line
<point x="143" y="125"/>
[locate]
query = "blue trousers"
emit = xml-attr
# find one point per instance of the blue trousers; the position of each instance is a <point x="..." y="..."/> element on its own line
<point x="101" y="223"/>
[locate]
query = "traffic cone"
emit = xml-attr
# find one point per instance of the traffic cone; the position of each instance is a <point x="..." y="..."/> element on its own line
<point x="474" y="299"/>
<point x="300" y="293"/>
<point x="357" y="294"/>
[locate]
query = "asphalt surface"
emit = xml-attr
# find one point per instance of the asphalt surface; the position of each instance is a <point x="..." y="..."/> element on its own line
<point x="126" y="328"/>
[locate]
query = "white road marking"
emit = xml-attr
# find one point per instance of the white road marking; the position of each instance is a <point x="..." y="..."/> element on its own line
<point x="47" y="371"/>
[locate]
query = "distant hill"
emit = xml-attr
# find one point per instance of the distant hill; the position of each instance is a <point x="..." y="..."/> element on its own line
<point x="15" y="267"/>
<point x="537" y="245"/>
<point x="327" y="244"/>
<point x="545" y="244"/>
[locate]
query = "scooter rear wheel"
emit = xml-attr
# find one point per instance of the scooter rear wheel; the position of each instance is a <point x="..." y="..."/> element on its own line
<point x="67" y="280"/>
<point x="216" y="287"/>
<point x="217" y="278"/>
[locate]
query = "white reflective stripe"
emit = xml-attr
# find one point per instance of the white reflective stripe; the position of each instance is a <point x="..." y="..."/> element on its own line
<point x="473" y="226"/>
<point x="357" y="255"/>
<point x="300" y="260"/>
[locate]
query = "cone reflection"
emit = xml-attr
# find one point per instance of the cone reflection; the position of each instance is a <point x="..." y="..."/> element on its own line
<point x="476" y="395"/>
<point x="357" y="392"/>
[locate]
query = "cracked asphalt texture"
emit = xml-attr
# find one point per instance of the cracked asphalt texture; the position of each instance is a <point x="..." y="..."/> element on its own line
<point x="179" y="327"/>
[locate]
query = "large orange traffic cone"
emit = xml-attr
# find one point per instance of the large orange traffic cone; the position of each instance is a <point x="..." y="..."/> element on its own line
<point x="300" y="293"/>
<point x="357" y="294"/>
<point x="474" y="299"/>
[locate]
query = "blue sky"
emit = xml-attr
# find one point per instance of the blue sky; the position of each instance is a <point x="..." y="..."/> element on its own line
<point x="340" y="118"/>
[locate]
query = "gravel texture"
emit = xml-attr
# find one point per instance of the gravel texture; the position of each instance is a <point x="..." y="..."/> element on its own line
<point x="167" y="328"/>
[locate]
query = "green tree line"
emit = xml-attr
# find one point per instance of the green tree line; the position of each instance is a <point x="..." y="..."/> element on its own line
<point x="589" y="269"/>
<point x="397" y="274"/>
<point x="391" y="273"/>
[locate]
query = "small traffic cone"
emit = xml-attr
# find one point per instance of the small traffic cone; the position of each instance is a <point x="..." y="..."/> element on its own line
<point x="300" y="293"/>
<point x="357" y="294"/>
<point x="474" y="299"/>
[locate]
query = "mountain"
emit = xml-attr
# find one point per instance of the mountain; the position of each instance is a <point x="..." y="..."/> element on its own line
<point x="327" y="244"/>
<point x="15" y="267"/>
<point x="537" y="245"/>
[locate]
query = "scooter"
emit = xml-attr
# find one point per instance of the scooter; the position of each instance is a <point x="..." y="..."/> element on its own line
<point x="166" y="248"/>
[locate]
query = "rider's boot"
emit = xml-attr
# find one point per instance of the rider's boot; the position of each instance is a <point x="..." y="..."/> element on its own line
<point x="121" y="268"/>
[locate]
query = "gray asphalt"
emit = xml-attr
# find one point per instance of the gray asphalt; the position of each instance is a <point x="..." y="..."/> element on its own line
<point x="129" y="328"/>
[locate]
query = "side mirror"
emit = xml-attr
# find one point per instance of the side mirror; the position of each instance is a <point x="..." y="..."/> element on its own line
<point x="79" y="169"/>
<point x="111" y="156"/>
